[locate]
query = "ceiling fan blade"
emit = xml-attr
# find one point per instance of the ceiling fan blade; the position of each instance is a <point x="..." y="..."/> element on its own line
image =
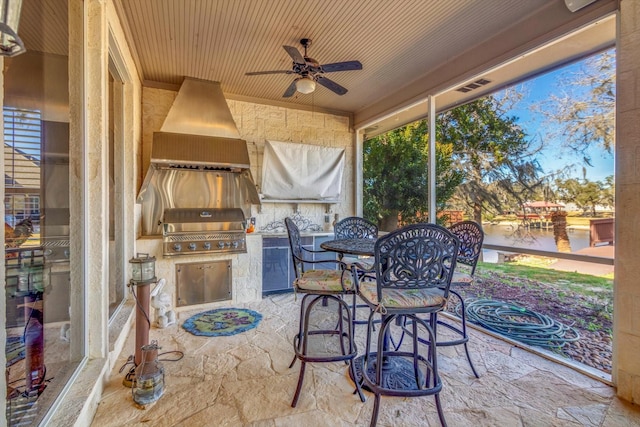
<point x="331" y="85"/>
<point x="258" y="73"/>
<point x="341" y="66"/>
<point x="295" y="55"/>
<point x="290" y="90"/>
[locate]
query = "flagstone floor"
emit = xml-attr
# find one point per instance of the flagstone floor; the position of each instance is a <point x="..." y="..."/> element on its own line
<point x="244" y="380"/>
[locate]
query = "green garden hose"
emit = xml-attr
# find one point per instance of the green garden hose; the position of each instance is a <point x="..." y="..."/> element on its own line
<point x="518" y="323"/>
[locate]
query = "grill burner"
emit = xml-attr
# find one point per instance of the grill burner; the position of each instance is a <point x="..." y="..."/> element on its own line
<point x="202" y="231"/>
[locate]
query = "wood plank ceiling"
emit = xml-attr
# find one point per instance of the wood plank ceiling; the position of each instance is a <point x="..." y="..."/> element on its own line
<point x="396" y="41"/>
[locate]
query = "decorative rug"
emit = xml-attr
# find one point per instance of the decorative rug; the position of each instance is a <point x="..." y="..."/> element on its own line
<point x="222" y="322"/>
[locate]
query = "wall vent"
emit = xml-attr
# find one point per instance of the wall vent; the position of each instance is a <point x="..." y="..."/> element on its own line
<point x="473" y="85"/>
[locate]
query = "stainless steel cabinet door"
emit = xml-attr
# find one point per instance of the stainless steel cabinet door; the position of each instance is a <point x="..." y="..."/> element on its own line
<point x="203" y="282"/>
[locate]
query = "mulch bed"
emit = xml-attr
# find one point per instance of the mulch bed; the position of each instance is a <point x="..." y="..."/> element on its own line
<point x="590" y="316"/>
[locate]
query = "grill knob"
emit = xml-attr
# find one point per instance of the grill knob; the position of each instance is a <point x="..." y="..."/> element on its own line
<point x="235" y="244"/>
<point x="177" y="247"/>
<point x="207" y="245"/>
<point x="192" y="246"/>
<point x="221" y="245"/>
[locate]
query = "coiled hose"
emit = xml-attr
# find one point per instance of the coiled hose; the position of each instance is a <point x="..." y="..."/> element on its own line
<point x="518" y="323"/>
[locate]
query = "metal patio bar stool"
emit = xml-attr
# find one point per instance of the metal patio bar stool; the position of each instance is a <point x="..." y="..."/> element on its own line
<point x="320" y="286"/>
<point x="413" y="270"/>
<point x="471" y="236"/>
<point x="355" y="227"/>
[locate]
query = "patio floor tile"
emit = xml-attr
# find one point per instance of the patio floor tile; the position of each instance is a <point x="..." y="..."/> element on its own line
<point x="244" y="380"/>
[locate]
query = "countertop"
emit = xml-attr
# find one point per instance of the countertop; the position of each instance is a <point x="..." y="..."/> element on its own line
<point x="260" y="234"/>
<point x="284" y="234"/>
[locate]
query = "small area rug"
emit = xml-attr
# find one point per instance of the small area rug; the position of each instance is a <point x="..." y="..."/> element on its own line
<point x="222" y="322"/>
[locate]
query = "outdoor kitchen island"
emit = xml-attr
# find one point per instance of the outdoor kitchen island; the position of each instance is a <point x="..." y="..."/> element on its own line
<point x="264" y="269"/>
<point x="246" y="271"/>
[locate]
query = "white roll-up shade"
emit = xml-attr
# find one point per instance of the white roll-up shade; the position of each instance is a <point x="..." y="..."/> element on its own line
<point x="292" y="171"/>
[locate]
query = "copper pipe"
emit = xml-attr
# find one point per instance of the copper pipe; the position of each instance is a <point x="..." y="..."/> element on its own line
<point x="142" y="319"/>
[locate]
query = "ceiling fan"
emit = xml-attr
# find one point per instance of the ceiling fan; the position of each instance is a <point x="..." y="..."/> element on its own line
<point x="310" y="71"/>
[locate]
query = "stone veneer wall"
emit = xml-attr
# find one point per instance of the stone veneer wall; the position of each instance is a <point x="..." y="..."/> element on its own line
<point x="256" y="124"/>
<point x="626" y="352"/>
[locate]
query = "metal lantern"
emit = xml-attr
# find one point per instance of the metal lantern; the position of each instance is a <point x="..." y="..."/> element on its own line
<point x="143" y="268"/>
<point x="149" y="375"/>
<point x="10" y="43"/>
<point x="143" y="273"/>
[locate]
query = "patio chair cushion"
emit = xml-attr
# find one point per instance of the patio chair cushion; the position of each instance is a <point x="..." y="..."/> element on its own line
<point x="325" y="280"/>
<point x="402" y="298"/>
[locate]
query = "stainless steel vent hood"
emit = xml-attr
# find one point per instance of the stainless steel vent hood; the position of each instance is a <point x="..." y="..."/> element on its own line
<point x="200" y="109"/>
<point x="199" y="131"/>
<point x="183" y="150"/>
<point x="198" y="159"/>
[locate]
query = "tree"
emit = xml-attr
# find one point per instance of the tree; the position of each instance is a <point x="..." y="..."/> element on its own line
<point x="608" y="196"/>
<point x="493" y="154"/>
<point x="396" y="175"/>
<point x="482" y="156"/>
<point x="560" y="235"/>
<point x="584" y="193"/>
<point x="582" y="112"/>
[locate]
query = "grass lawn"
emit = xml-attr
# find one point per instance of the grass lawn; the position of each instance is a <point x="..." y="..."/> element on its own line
<point x="573" y="219"/>
<point x="584" y="284"/>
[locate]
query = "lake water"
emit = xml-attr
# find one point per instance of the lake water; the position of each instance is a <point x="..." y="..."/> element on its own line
<point x="533" y="238"/>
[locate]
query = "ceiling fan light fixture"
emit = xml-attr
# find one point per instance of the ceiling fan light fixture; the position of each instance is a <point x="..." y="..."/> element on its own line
<point x="305" y="85"/>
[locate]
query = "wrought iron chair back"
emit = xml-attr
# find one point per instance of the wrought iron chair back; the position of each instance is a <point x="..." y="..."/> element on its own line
<point x="295" y="243"/>
<point x="471" y="237"/>
<point x="355" y="227"/>
<point x="418" y="256"/>
<point x="303" y="258"/>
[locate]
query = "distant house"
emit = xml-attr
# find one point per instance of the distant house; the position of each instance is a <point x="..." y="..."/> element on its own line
<point x="539" y="210"/>
<point x="451" y="216"/>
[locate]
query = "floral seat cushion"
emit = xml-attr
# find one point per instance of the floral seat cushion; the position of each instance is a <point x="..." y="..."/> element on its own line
<point x="325" y="280"/>
<point x="402" y="298"/>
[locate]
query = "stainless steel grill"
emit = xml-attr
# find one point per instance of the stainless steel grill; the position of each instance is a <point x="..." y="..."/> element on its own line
<point x="56" y="249"/>
<point x="54" y="234"/>
<point x="200" y="231"/>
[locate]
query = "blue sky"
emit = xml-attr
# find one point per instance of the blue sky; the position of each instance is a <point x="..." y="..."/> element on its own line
<point x="554" y="157"/>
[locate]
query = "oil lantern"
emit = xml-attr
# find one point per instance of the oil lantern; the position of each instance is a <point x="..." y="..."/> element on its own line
<point x="143" y="269"/>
